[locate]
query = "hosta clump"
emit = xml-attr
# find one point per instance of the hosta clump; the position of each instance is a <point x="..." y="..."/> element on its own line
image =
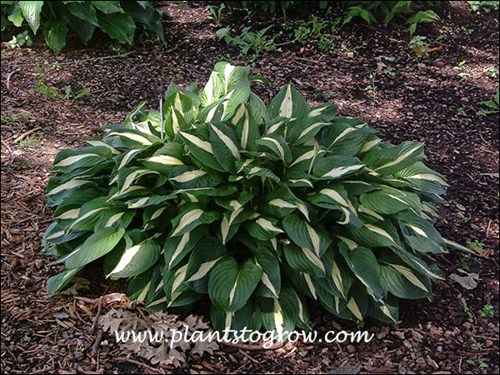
<point x="260" y="208"/>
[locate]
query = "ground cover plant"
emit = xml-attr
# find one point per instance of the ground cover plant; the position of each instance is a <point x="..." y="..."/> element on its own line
<point x="259" y="207"/>
<point x="118" y="19"/>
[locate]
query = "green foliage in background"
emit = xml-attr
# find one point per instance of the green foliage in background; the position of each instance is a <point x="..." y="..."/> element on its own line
<point x="259" y="208"/>
<point x="118" y="19"/>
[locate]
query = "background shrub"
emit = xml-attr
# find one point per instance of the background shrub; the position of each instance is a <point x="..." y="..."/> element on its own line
<point x="118" y="19"/>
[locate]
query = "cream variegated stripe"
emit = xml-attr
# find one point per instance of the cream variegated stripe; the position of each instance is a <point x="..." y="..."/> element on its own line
<point x="380" y="232"/>
<point x="340" y="171"/>
<point x="144" y="292"/>
<point x="55" y="235"/>
<point x="286" y="108"/>
<point x="342" y="135"/>
<point x="211" y="113"/>
<point x="314" y="259"/>
<point x="139" y="203"/>
<point x="159" y="287"/>
<point x="305" y="156"/>
<point x="275" y="127"/>
<point x="189" y="176"/>
<point x="315" y="240"/>
<point x="206" y="146"/>
<point x="70" y="214"/>
<point x="245" y="164"/>
<point x="428" y="177"/>
<point x="239" y="114"/>
<point x="101" y="143"/>
<point x="246" y="131"/>
<point x="397" y="198"/>
<point x="129" y="155"/>
<point x="84" y="216"/>
<point x="410" y="276"/>
<point x="266" y="281"/>
<point x="310" y="285"/>
<point x="175" y="122"/>
<point x="180" y="276"/>
<point x="335" y="196"/>
<point x="226" y="223"/>
<point x="74" y="159"/>
<point x="367" y="211"/>
<point x="178" y="102"/>
<point x="347" y="215"/>
<point x="350" y="243"/>
<point x="418" y="230"/>
<point x="164" y="160"/>
<point x="268" y="226"/>
<point x="229" y="320"/>
<point x="227" y="141"/>
<point x="371" y="144"/>
<point x="113" y="219"/>
<point x="278" y="145"/>
<point x="279" y="321"/>
<point x="126" y="258"/>
<point x="337" y="278"/>
<point x="301" y="310"/>
<point x="228" y="72"/>
<point x="203" y="270"/>
<point x="311" y="128"/>
<point x="187" y="219"/>
<point x="302" y="180"/>
<point x="337" y="304"/>
<point x="133" y="137"/>
<point x="181" y="246"/>
<point x="280" y="203"/>
<point x="400" y="158"/>
<point x="71" y="184"/>
<point x="126" y="191"/>
<point x="133" y="176"/>
<point x="158" y="302"/>
<point x="353" y="307"/>
<point x="385" y="310"/>
<point x="303" y="209"/>
<point x="317" y="111"/>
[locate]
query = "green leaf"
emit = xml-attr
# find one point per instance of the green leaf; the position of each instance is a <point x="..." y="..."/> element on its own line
<point x="31" y="12"/>
<point x="15" y="15"/>
<point x="56" y="37"/>
<point x="119" y="26"/>
<point x="289" y="103"/>
<point x="271" y="278"/>
<point x="391" y="201"/>
<point x="190" y="217"/>
<point x="96" y="246"/>
<point x="306" y="236"/>
<point x="337" y="167"/>
<point x="392" y="159"/>
<point x="136" y="260"/>
<point x="84" y="11"/>
<point x="108" y="7"/>
<point x="364" y="265"/>
<point x="59" y="281"/>
<point x="230" y="285"/>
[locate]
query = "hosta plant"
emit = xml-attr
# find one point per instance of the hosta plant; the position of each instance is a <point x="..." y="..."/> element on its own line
<point x="259" y="208"/>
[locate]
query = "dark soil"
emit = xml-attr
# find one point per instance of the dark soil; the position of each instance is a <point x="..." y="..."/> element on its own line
<point x="433" y="100"/>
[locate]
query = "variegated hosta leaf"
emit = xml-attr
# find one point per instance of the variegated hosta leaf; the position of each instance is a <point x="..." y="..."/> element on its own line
<point x="305" y="235"/>
<point x="337" y="167"/>
<point x="260" y="207"/>
<point x="390" y="159"/>
<point x="231" y="285"/>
